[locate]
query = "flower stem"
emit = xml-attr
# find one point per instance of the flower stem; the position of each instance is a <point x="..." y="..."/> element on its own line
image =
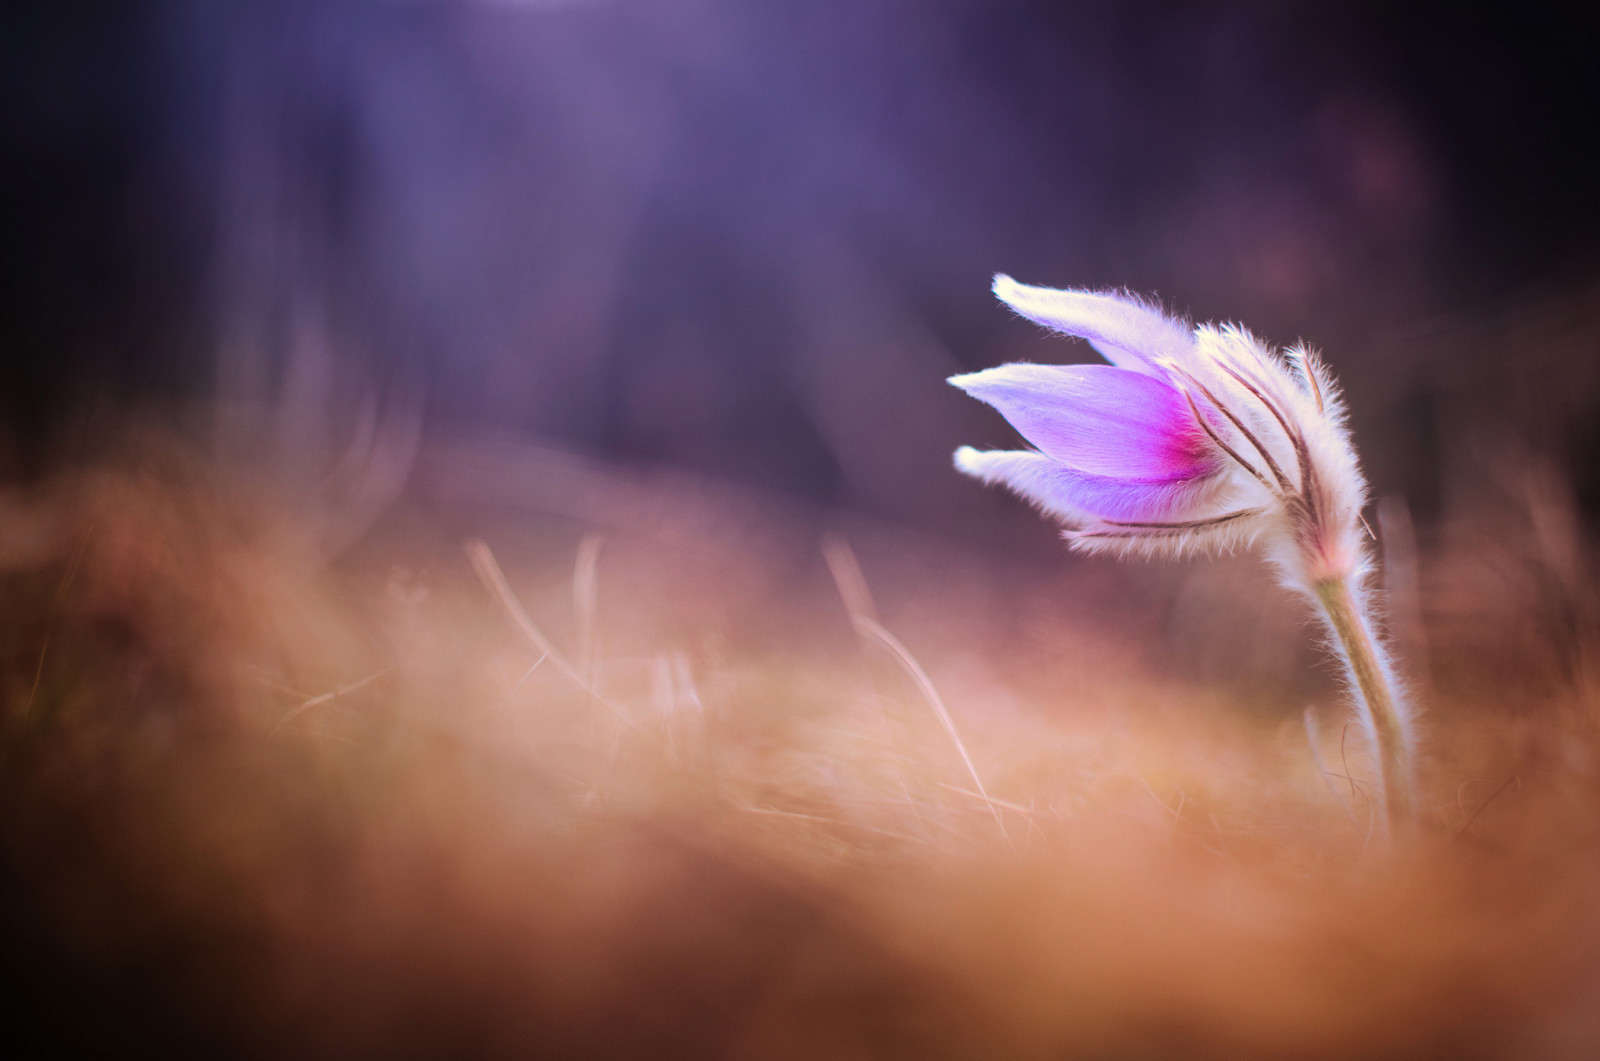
<point x="1362" y="654"/>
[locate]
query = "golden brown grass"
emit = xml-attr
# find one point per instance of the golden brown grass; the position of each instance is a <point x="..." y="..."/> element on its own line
<point x="252" y="803"/>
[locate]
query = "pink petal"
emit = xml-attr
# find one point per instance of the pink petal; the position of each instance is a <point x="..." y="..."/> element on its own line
<point x="1125" y="331"/>
<point x="1099" y="420"/>
<point x="1075" y="497"/>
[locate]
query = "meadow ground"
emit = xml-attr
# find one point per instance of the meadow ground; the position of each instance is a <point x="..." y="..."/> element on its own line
<point x="673" y="772"/>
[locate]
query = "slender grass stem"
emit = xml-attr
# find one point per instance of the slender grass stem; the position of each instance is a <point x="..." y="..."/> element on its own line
<point x="1361" y="653"/>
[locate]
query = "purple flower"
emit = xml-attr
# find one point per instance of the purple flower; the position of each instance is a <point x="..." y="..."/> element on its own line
<point x="1189" y="439"/>
<point x="1197" y="439"/>
<point x="1110" y="441"/>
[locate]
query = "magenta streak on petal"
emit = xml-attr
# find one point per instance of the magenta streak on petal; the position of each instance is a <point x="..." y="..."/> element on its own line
<point x="1075" y="496"/>
<point x="1124" y="330"/>
<point x="1099" y="420"/>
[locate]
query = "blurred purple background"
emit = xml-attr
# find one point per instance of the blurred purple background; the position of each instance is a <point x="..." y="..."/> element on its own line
<point x="752" y="239"/>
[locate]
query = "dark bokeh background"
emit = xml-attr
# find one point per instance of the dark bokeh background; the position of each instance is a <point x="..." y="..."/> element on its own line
<point x="752" y="239"/>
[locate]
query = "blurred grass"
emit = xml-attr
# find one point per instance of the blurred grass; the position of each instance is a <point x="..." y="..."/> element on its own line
<point x="255" y="803"/>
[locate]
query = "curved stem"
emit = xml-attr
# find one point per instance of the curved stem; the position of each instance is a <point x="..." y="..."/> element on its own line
<point x="1363" y="655"/>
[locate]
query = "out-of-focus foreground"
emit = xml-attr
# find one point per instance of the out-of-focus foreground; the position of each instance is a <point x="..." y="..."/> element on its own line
<point x="714" y="784"/>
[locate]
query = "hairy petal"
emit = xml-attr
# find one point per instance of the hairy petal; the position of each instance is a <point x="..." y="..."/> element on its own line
<point x="1078" y="497"/>
<point x="1127" y="332"/>
<point x="1218" y="537"/>
<point x="1100" y="420"/>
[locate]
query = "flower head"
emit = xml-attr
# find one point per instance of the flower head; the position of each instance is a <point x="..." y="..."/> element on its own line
<point x="1190" y="439"/>
<point x="1199" y="439"/>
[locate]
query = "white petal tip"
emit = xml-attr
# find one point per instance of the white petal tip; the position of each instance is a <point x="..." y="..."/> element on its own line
<point x="1008" y="290"/>
<point x="967" y="460"/>
<point x="984" y="383"/>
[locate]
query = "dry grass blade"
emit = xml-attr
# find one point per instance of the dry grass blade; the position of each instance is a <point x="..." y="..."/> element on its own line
<point x="872" y="630"/>
<point x="494" y="579"/>
<point x="38" y="676"/>
<point x="857" y="598"/>
<point x="820" y="819"/>
<point x="1322" y="767"/>
<point x="586" y="600"/>
<point x="1026" y="812"/>
<point x="858" y="602"/>
<point x="1485" y="804"/>
<point x="328" y="697"/>
<point x="846" y="571"/>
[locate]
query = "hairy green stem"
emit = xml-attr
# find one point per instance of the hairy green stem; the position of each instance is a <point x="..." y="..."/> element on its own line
<point x="1360" y="652"/>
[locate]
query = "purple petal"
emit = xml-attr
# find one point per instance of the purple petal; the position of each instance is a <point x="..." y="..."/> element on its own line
<point x="1125" y="331"/>
<point x="1099" y="419"/>
<point x="1075" y="497"/>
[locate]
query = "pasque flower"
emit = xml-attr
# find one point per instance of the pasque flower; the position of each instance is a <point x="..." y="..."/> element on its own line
<point x="1193" y="440"/>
